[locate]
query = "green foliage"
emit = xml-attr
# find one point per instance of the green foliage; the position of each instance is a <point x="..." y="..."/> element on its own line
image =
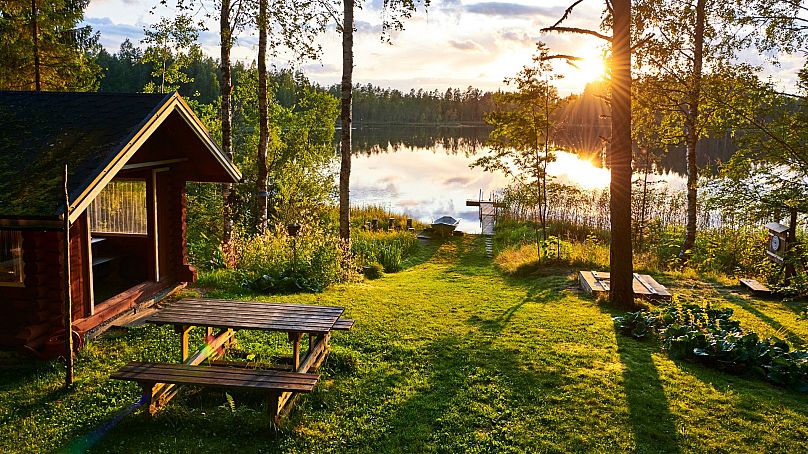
<point x="64" y="46"/>
<point x="389" y="249"/>
<point x="279" y="263"/>
<point x="712" y="337"/>
<point x="374" y="271"/>
<point x="171" y="48"/>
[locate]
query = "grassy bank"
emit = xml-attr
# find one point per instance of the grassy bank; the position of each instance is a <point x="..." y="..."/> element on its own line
<point x="448" y="355"/>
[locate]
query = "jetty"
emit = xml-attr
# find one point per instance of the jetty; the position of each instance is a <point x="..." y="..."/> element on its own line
<point x="489" y="212"/>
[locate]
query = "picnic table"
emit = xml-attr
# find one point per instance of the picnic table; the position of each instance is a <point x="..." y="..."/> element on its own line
<point x="160" y="381"/>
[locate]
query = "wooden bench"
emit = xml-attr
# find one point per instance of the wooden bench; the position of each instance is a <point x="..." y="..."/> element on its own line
<point x="152" y="376"/>
<point x="343" y="324"/>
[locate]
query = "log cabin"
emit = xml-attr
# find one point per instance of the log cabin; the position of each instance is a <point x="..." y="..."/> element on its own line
<point x="128" y="157"/>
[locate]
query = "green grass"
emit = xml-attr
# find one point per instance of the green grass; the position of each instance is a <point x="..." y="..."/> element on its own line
<point x="448" y="355"/>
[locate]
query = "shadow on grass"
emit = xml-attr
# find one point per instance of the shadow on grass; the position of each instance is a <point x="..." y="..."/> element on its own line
<point x="470" y="398"/>
<point x="791" y="336"/>
<point x="652" y="423"/>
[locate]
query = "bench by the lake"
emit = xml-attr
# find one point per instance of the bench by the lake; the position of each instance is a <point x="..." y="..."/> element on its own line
<point x="160" y="381"/>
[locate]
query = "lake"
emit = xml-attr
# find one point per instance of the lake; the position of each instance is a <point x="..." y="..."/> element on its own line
<point x="424" y="171"/>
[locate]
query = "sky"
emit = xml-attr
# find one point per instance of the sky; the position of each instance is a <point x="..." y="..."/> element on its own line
<point x="455" y="43"/>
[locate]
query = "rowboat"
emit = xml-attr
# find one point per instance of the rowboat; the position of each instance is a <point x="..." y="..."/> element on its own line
<point x="444" y="226"/>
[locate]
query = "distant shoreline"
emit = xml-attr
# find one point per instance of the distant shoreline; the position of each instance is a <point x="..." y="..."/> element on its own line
<point x="465" y="124"/>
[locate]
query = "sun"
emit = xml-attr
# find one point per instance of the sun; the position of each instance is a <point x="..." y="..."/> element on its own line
<point x="590" y="68"/>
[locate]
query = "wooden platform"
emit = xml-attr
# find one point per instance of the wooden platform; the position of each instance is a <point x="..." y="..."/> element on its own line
<point x="645" y="286"/>
<point x="755" y="286"/>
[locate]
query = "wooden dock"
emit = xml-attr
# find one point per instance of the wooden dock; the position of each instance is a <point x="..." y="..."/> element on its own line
<point x="489" y="211"/>
<point x="645" y="286"/>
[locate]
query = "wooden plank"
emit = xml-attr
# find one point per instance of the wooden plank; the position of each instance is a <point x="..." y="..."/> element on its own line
<point x="249" y="324"/>
<point x="343" y="324"/>
<point x="265" y="315"/>
<point x="246" y="317"/>
<point x="754" y="285"/>
<point x="221" y="377"/>
<point x="258" y="303"/>
<point x="644" y="286"/>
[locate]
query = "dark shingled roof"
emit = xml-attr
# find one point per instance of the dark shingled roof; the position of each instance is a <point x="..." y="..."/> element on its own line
<point x="41" y="132"/>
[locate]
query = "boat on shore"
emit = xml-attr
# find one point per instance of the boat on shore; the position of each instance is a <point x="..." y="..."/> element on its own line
<point x="445" y="226"/>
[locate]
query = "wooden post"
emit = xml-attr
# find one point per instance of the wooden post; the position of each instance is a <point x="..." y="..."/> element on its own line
<point x="295" y="338"/>
<point x="68" y="304"/>
<point x="184" y="331"/>
<point x="790" y="245"/>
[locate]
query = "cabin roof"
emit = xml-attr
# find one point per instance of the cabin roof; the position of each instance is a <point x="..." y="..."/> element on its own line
<point x="93" y="133"/>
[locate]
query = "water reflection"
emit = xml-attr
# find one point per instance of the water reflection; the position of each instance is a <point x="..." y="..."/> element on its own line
<point x="424" y="171"/>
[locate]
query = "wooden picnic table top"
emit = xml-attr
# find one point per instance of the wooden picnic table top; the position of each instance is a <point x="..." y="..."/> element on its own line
<point x="219" y="313"/>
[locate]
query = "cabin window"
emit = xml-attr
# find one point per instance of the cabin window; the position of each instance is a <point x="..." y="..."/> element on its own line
<point x="120" y="208"/>
<point x="11" y="265"/>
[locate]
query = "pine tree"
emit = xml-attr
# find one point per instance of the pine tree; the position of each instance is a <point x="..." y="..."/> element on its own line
<point x="43" y="47"/>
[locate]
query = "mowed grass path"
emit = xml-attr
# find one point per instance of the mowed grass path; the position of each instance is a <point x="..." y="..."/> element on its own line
<point x="448" y="355"/>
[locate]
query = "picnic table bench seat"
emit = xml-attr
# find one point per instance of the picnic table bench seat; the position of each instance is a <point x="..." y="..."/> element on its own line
<point x="343" y="324"/>
<point x="280" y="385"/>
<point x="217" y="377"/>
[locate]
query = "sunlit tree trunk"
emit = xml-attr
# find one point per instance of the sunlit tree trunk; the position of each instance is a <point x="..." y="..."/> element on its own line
<point x="345" y="121"/>
<point x="692" y="133"/>
<point x="263" y="116"/>
<point x="620" y="158"/>
<point x="226" y="113"/>
<point x="35" y="37"/>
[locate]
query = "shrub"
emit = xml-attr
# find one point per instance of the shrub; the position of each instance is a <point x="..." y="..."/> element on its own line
<point x="275" y="263"/>
<point x="386" y="248"/>
<point x="712" y="337"/>
<point x="374" y="271"/>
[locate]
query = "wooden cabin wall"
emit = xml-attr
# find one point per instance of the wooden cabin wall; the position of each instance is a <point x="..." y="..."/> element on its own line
<point x="171" y="201"/>
<point x="34" y="311"/>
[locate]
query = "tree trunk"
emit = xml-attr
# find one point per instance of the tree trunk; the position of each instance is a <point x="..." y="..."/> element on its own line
<point x="226" y="114"/>
<point x="35" y="37"/>
<point x="345" y="117"/>
<point x="692" y="134"/>
<point x="263" y="116"/>
<point x="791" y="245"/>
<point x="620" y="158"/>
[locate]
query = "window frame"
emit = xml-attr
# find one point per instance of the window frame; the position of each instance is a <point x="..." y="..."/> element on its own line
<point x="101" y="233"/>
<point x="20" y="282"/>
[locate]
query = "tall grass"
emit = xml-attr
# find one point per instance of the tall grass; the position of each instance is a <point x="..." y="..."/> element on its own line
<point x="386" y="248"/>
<point x="361" y="216"/>
<point x="718" y="251"/>
<point x="279" y="263"/>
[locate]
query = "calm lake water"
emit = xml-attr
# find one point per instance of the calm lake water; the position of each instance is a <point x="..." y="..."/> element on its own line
<point x="424" y="172"/>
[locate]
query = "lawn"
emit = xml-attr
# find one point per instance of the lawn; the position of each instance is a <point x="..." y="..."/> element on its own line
<point x="447" y="355"/>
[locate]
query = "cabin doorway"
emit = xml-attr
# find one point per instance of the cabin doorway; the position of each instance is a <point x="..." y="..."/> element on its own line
<point x="120" y="241"/>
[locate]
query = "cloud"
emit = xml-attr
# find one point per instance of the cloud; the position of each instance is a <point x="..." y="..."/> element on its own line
<point x="321" y="68"/>
<point x="505" y="9"/>
<point x="368" y="28"/>
<point x="465" y="45"/>
<point x="112" y="34"/>
<point x="457" y="181"/>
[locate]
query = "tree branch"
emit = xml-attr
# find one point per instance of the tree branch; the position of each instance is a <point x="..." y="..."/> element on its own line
<point x="567" y="13"/>
<point x="580" y="31"/>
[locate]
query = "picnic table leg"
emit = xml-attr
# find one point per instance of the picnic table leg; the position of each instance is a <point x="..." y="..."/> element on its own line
<point x="148" y="395"/>
<point x="184" y="331"/>
<point x="274" y="407"/>
<point x="295" y="338"/>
